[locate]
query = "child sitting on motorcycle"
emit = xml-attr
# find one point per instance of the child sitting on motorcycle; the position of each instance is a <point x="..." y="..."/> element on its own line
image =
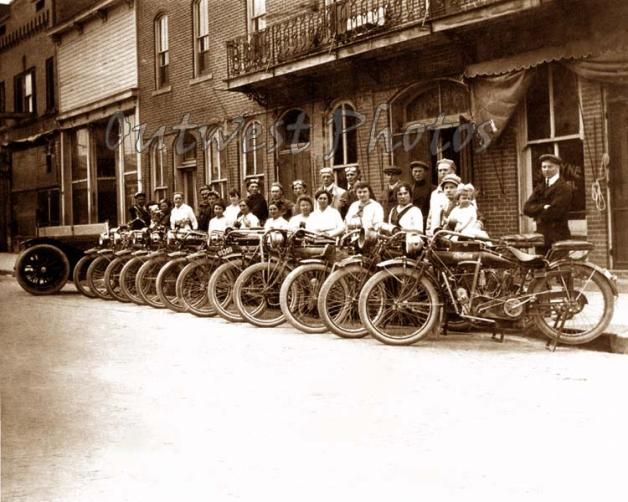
<point x="463" y="218"/>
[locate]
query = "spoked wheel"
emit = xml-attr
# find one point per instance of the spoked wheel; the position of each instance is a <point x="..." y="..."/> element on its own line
<point x="112" y="279"/>
<point x="256" y="294"/>
<point x="166" y="284"/>
<point x="299" y="294"/>
<point x="574" y="303"/>
<point x="96" y="276"/>
<point x="42" y="269"/>
<point x="128" y="275"/>
<point x="192" y="288"/>
<point x="146" y="281"/>
<point x="338" y="301"/>
<point x="79" y="276"/>
<point x="399" y="307"/>
<point x="220" y="291"/>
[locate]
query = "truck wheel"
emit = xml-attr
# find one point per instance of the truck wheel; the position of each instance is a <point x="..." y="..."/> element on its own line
<point x="42" y="269"/>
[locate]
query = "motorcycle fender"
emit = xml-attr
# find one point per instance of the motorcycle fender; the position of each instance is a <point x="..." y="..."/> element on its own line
<point x="398" y="262"/>
<point x="612" y="279"/>
<point x="197" y="255"/>
<point x="141" y="252"/>
<point x="177" y="254"/>
<point x="105" y="252"/>
<point x="231" y="257"/>
<point x="92" y="251"/>
<point x="351" y="260"/>
<point x="124" y="252"/>
<point x="310" y="261"/>
<point x="155" y="254"/>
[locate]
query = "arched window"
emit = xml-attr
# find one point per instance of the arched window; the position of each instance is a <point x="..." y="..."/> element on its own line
<point x="162" y="56"/>
<point x="201" y="37"/>
<point x="215" y="174"/>
<point x="342" y="140"/>
<point x="253" y="151"/>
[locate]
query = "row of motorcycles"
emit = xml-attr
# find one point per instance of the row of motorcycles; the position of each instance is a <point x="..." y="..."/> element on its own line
<point x="397" y="286"/>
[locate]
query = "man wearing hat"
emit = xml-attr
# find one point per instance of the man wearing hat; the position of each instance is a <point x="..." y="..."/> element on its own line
<point x="337" y="194"/>
<point x="389" y="198"/>
<point x="255" y="200"/>
<point x="550" y="202"/>
<point x="139" y="212"/>
<point x="438" y="199"/>
<point x="277" y="195"/>
<point x="352" y="174"/>
<point x="205" y="207"/>
<point x="422" y="188"/>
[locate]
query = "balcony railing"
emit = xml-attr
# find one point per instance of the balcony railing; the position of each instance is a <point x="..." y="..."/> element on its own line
<point x="333" y="26"/>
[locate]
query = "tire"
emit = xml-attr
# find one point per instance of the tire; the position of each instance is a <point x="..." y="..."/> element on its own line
<point x="220" y="291"/>
<point x="166" y="284"/>
<point x="112" y="279"/>
<point x="128" y="275"/>
<point x="79" y="276"/>
<point x="146" y="279"/>
<point x="256" y="294"/>
<point x="42" y="269"/>
<point x="96" y="276"/>
<point x="384" y="308"/>
<point x="582" y="293"/>
<point x="192" y="287"/>
<point x="338" y="302"/>
<point x="298" y="297"/>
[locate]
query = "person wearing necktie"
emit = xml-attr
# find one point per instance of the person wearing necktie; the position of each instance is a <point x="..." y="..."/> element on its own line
<point x="549" y="203"/>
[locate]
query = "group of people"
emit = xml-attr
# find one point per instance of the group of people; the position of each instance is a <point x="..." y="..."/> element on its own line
<point x="421" y="206"/>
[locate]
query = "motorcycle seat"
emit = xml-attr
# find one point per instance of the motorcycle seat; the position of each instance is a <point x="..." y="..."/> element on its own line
<point x="527" y="258"/>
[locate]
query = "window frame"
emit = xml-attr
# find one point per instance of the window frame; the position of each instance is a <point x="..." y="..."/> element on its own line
<point x="339" y="169"/>
<point x="158" y="161"/>
<point x="201" y="37"/>
<point x="19" y="92"/>
<point x="162" y="52"/>
<point x="214" y="149"/>
<point x="256" y="21"/>
<point x="258" y="158"/>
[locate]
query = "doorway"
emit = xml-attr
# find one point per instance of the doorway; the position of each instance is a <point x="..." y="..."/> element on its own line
<point x="618" y="171"/>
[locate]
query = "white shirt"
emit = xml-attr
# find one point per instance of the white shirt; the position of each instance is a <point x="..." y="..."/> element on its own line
<point x="231" y="213"/>
<point x="183" y="212"/>
<point x="248" y="221"/>
<point x="465" y="217"/>
<point x="372" y="214"/>
<point x="438" y="203"/>
<point x="276" y="224"/>
<point x="553" y="179"/>
<point x="295" y="222"/>
<point x="411" y="220"/>
<point x="218" y="224"/>
<point x="327" y="222"/>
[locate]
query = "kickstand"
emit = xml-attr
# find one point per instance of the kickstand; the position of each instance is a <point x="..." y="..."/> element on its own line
<point x="501" y="333"/>
<point x="551" y="345"/>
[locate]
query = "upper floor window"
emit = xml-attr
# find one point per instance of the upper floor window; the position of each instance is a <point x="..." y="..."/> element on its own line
<point x="256" y="12"/>
<point x="25" y="92"/>
<point x="201" y="37"/>
<point x="162" y="56"/>
<point x="3" y="97"/>
<point x="554" y="126"/>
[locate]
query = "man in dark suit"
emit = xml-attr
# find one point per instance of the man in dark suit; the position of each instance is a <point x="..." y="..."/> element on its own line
<point x="389" y="197"/>
<point x="550" y="202"/>
<point x="422" y="187"/>
<point x="139" y="213"/>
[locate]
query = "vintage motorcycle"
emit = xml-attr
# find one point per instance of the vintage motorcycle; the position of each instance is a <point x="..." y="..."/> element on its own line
<point x="118" y="239"/>
<point x="568" y="299"/>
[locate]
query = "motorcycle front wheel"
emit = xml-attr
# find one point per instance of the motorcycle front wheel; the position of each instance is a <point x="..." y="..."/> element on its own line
<point x="146" y="281"/>
<point x="79" y="276"/>
<point x="112" y="279"/>
<point x="128" y="275"/>
<point x="574" y="303"/>
<point x="166" y="284"/>
<point x="298" y="297"/>
<point x="96" y="277"/>
<point x="399" y="307"/>
<point x="192" y="288"/>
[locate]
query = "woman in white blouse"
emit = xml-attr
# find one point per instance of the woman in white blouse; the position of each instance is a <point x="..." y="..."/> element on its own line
<point x="301" y="220"/>
<point x="275" y="219"/>
<point x="233" y="210"/>
<point x="219" y="222"/>
<point x="247" y="219"/>
<point x="405" y="215"/>
<point x="326" y="219"/>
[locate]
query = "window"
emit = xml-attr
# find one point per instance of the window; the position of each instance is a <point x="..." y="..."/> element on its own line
<point x="342" y="140"/>
<point x="214" y="163"/>
<point x="252" y="151"/>
<point x="256" y="10"/>
<point x="25" y="92"/>
<point x="162" y="57"/>
<point x="50" y="85"/>
<point x="80" y="169"/>
<point x="159" y="157"/>
<point x="130" y="167"/>
<point x="554" y="126"/>
<point x="201" y="38"/>
<point x="3" y="97"/>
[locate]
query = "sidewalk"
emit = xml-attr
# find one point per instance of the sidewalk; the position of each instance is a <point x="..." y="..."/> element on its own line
<point x="617" y="331"/>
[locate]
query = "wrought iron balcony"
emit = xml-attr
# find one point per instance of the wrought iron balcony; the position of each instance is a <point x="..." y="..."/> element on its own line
<point x="333" y="26"/>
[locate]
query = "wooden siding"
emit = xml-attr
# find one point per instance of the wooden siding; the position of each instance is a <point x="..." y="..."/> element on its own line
<point x="98" y="63"/>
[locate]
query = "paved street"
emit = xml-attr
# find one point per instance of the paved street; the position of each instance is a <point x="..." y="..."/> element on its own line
<point x="109" y="402"/>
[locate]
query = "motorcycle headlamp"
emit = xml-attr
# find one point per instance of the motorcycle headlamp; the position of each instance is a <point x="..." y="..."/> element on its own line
<point x="155" y="236"/>
<point x="413" y="244"/>
<point x="354" y="223"/>
<point x="103" y="239"/>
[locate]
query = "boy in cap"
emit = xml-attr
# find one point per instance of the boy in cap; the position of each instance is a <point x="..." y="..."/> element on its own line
<point x="389" y="198"/>
<point x="550" y="202"/>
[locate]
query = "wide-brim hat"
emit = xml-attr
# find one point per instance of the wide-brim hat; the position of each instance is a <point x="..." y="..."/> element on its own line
<point x="451" y="178"/>
<point x="392" y="170"/>
<point x="554" y="159"/>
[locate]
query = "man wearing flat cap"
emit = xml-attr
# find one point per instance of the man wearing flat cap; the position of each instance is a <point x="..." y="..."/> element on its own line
<point x="389" y="197"/>
<point x="139" y="213"/>
<point x="550" y="202"/>
<point x="422" y="187"/>
<point x="337" y="194"/>
<point x="352" y="174"/>
<point x="256" y="201"/>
